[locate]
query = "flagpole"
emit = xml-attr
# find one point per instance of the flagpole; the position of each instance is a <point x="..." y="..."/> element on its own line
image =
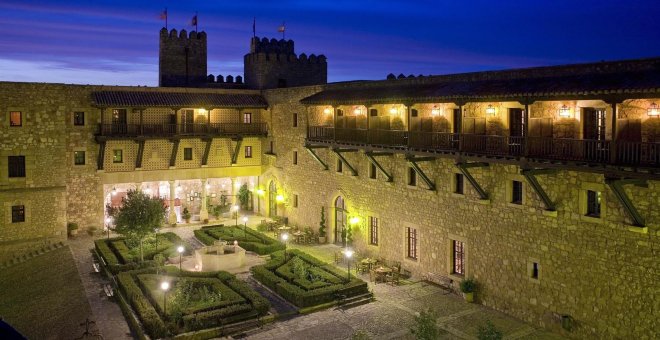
<point x="166" y="19"/>
<point x="254" y="27"/>
<point x="196" y="22"/>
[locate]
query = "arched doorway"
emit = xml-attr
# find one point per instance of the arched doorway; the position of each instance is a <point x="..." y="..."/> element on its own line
<point x="340" y="221"/>
<point x="272" y="199"/>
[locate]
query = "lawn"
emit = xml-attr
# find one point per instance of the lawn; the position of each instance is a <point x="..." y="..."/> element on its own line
<point x="194" y="301"/>
<point x="247" y="238"/>
<point x="306" y="281"/>
<point x="121" y="254"/>
<point x="43" y="298"/>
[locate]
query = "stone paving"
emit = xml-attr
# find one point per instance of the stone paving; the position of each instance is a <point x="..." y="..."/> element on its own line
<point x="107" y="315"/>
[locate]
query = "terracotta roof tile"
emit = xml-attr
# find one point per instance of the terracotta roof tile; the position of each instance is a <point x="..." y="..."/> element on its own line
<point x="177" y="99"/>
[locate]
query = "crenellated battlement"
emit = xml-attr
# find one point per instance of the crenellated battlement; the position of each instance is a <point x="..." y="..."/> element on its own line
<point x="264" y="45"/>
<point x="287" y="58"/>
<point x="182" y="58"/>
<point x="182" y="36"/>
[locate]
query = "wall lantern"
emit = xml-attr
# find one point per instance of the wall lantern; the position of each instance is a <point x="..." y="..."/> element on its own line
<point x="114" y="191"/>
<point x="653" y="110"/>
<point x="354" y="220"/>
<point x="201" y="111"/>
<point x="327" y="111"/>
<point x="564" y="111"/>
<point x="435" y="111"/>
<point x="357" y="111"/>
<point x="490" y="110"/>
<point x="260" y="192"/>
<point x="279" y="198"/>
<point x="394" y="110"/>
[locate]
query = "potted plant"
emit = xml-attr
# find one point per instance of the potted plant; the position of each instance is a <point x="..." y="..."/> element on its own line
<point x="322" y="227"/>
<point x="468" y="287"/>
<point x="186" y="215"/>
<point x="72" y="228"/>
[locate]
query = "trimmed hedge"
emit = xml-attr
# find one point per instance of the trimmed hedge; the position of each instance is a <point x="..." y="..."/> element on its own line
<point x="152" y="322"/>
<point x="302" y="292"/>
<point x="117" y="256"/>
<point x="254" y="241"/>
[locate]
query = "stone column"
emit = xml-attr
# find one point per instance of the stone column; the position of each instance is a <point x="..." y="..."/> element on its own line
<point x="172" y="214"/>
<point x="204" y="212"/>
<point x="232" y="191"/>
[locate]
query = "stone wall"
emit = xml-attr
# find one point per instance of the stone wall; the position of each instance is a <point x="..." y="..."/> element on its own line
<point x="596" y="270"/>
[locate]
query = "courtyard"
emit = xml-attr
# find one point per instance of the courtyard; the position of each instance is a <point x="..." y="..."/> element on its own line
<point x="390" y="315"/>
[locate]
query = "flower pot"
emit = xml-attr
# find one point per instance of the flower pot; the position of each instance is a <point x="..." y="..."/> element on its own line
<point x="321" y="239"/>
<point x="469" y="297"/>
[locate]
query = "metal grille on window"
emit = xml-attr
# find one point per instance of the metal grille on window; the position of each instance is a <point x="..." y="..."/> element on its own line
<point x="412" y="243"/>
<point x="459" y="257"/>
<point x="373" y="223"/>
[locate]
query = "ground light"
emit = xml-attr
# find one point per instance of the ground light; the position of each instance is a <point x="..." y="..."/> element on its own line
<point x="348" y="254"/>
<point x="285" y="237"/>
<point x="180" y="249"/>
<point x="164" y="286"/>
<point x="235" y="209"/>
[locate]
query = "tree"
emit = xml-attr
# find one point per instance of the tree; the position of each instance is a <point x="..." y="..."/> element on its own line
<point x="244" y="196"/>
<point x="139" y="216"/>
<point x="322" y="223"/>
<point x="425" y="327"/>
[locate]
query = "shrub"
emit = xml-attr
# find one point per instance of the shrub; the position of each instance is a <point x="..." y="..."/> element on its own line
<point x="152" y="322"/>
<point x="71" y="226"/>
<point x="425" y="327"/>
<point x="468" y="286"/>
<point x="249" y="240"/>
<point x="489" y="332"/>
<point x="186" y="215"/>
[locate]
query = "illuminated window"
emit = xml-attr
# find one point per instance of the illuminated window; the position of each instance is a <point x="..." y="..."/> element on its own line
<point x="411" y="237"/>
<point x="17" y="213"/>
<point x="248" y="152"/>
<point x="373" y="230"/>
<point x="187" y="154"/>
<point x="16" y="166"/>
<point x="79" y="118"/>
<point x="458" y="258"/>
<point x="79" y="157"/>
<point x="117" y="156"/>
<point x="247" y="118"/>
<point x="16" y="118"/>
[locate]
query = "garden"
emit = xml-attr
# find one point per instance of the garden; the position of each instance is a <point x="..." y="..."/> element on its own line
<point x="122" y="253"/>
<point x="190" y="301"/>
<point x="247" y="238"/>
<point x="306" y="281"/>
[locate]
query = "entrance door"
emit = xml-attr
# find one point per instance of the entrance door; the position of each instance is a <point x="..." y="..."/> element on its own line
<point x="340" y="222"/>
<point x="119" y="121"/>
<point x="516" y="123"/>
<point x="187" y="120"/>
<point x="593" y="132"/>
<point x="272" y="200"/>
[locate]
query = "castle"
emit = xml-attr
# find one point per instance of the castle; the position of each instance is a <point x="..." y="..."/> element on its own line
<point x="543" y="184"/>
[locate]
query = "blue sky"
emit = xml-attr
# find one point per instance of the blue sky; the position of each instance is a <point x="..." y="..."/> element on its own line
<point x="116" y="42"/>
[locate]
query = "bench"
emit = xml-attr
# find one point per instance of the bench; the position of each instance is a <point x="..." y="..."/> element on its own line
<point x="109" y="292"/>
<point x="440" y="280"/>
<point x="96" y="266"/>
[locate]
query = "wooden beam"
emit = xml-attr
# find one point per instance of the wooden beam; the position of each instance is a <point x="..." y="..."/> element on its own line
<point x="463" y="167"/>
<point x="175" y="150"/>
<point x="343" y="160"/>
<point x="234" y="156"/>
<point x="140" y="153"/>
<point x="207" y="151"/>
<point x="420" y="172"/>
<point x="534" y="183"/>
<point x="310" y="149"/>
<point x="101" y="157"/>
<point x="370" y="157"/>
<point x="617" y="187"/>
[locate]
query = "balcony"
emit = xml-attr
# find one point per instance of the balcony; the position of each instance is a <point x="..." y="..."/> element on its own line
<point x="182" y="130"/>
<point x="542" y="148"/>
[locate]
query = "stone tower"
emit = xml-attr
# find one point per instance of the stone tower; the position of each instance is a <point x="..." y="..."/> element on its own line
<point x="182" y="59"/>
<point x="274" y="64"/>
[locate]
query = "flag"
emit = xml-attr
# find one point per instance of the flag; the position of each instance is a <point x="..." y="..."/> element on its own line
<point x="163" y="14"/>
<point x="282" y="28"/>
<point x="193" y="22"/>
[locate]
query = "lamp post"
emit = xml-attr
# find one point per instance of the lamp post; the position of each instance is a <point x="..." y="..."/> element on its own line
<point x="285" y="237"/>
<point x="108" y="223"/>
<point x="245" y="219"/>
<point x="165" y="286"/>
<point x="180" y="249"/>
<point x="235" y="208"/>
<point x="348" y="253"/>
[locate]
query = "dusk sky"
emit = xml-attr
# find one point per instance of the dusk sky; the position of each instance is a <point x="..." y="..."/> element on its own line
<point x="116" y="42"/>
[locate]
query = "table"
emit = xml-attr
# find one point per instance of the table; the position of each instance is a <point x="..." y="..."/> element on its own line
<point x="281" y="230"/>
<point x="298" y="235"/>
<point x="368" y="262"/>
<point x="381" y="272"/>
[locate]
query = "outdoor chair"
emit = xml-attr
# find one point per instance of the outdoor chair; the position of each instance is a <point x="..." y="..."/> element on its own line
<point x="393" y="278"/>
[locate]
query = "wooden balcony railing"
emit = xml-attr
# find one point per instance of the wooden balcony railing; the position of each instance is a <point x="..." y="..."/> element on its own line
<point x="563" y="149"/>
<point x="168" y="130"/>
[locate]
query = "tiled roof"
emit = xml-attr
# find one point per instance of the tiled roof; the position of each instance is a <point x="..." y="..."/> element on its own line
<point x="177" y="99"/>
<point x="430" y="90"/>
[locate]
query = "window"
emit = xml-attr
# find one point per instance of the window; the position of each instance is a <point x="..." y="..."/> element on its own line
<point x="248" y="152"/>
<point x="340" y="112"/>
<point x="16" y="166"/>
<point x="414" y="113"/>
<point x="295" y="120"/>
<point x="372" y="171"/>
<point x="272" y="148"/>
<point x="373" y="112"/>
<point x="458" y="258"/>
<point x="534" y="274"/>
<point x="516" y="192"/>
<point x="295" y="200"/>
<point x="79" y="157"/>
<point x="339" y="165"/>
<point x="79" y="118"/>
<point x="187" y="154"/>
<point x="17" y="213"/>
<point x="458" y="185"/>
<point x="247" y="118"/>
<point x="373" y="230"/>
<point x="117" y="156"/>
<point x="411" y="236"/>
<point x="295" y="157"/>
<point x="593" y="203"/>
<point x="412" y="177"/>
<point x="16" y="118"/>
